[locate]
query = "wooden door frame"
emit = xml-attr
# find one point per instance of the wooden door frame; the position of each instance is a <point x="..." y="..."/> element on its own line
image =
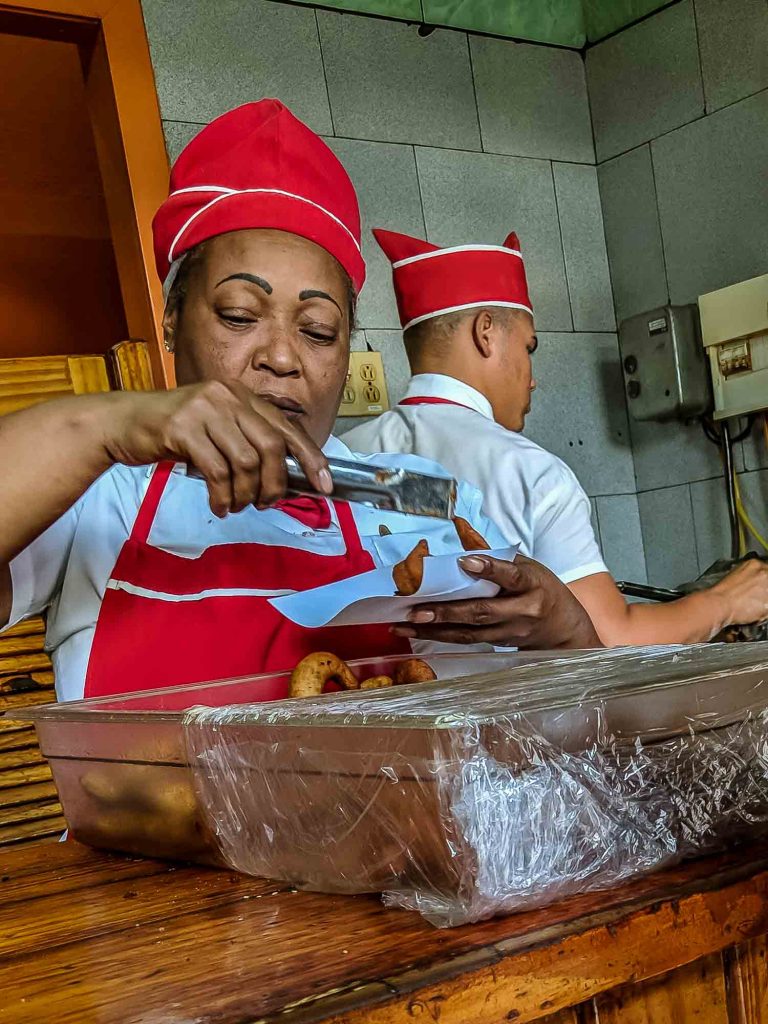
<point x="128" y="132"/>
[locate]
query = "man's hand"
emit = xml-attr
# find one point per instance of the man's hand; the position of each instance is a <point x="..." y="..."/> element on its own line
<point x="744" y="593"/>
<point x="533" y="610"/>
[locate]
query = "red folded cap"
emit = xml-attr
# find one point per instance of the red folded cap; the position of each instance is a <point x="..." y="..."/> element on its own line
<point x="430" y="281"/>
<point x="258" y="166"/>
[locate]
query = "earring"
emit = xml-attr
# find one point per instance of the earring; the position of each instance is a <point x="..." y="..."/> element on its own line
<point x="168" y="346"/>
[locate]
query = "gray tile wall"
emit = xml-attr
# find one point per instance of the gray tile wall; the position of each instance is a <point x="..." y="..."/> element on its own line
<point x="645" y="81"/>
<point x="680" y="113"/>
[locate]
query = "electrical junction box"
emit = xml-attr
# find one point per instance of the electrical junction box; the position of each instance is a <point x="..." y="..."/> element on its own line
<point x="665" y="372"/>
<point x="734" y="332"/>
<point x="365" y="390"/>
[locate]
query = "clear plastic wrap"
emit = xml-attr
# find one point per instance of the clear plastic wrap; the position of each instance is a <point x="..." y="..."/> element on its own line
<point x="497" y="792"/>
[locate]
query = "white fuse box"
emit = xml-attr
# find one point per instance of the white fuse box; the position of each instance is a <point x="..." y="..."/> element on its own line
<point x="734" y="332"/>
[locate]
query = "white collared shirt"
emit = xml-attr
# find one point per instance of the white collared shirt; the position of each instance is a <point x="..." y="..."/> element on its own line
<point x="531" y="495"/>
<point x="65" y="571"/>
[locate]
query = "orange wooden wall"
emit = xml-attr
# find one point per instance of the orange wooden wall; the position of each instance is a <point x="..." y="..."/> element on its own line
<point x="59" y="288"/>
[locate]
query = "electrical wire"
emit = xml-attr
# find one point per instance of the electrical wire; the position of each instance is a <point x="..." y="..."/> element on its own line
<point x="741" y="525"/>
<point x="729" y="477"/>
<point x="746" y="431"/>
<point x="744" y="516"/>
<point x="710" y="430"/>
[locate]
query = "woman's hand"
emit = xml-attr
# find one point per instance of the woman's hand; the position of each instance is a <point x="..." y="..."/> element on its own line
<point x="533" y="610"/>
<point x="237" y="441"/>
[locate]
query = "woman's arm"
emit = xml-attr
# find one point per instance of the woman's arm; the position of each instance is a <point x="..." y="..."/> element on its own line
<point x="51" y="453"/>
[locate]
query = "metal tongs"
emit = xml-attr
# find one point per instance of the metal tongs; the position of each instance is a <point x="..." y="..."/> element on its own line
<point x="385" y="487"/>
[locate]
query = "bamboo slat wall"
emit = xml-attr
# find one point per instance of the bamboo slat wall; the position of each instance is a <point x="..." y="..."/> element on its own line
<point x="29" y="807"/>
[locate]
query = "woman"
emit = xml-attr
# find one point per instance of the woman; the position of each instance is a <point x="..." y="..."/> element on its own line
<point x="151" y="581"/>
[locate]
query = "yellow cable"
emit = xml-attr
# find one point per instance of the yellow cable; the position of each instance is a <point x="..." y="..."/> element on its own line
<point x="744" y="516"/>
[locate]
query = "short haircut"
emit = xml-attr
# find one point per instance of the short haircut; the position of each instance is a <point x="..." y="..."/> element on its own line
<point x="438" y="330"/>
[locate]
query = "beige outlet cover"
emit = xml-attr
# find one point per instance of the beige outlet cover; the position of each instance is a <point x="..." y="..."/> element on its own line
<point x="365" y="391"/>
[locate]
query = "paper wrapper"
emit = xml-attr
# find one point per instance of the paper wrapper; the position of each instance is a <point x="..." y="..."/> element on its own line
<point x="371" y="596"/>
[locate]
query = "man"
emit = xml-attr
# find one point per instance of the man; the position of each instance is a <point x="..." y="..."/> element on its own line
<point x="469" y="335"/>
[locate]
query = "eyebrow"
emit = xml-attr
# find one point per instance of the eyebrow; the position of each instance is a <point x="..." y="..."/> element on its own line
<point x="264" y="285"/>
<point x="312" y="293"/>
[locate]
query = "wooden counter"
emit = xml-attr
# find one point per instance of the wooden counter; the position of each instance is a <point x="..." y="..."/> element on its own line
<point x="91" y="938"/>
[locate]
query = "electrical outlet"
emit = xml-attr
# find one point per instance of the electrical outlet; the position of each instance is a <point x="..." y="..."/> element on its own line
<point x="365" y="390"/>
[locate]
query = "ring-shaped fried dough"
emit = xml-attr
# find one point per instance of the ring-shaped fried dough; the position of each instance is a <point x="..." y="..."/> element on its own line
<point x="312" y="673"/>
<point x="409" y="573"/>
<point x="470" y="539"/>
<point x="412" y="670"/>
<point x="376" y="683"/>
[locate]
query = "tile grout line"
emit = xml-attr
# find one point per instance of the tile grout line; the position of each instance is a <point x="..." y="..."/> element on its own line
<point x="446" y="149"/>
<point x="418" y="186"/>
<point x="686" y="483"/>
<point x="658" y="219"/>
<point x="698" y="57"/>
<point x="632" y="24"/>
<point x="562" y="249"/>
<point x="589" y="103"/>
<point x="693" y="528"/>
<point x="646" y="546"/>
<point x="679" y="127"/>
<point x="598" y="527"/>
<point x="325" y="73"/>
<point x="474" y="93"/>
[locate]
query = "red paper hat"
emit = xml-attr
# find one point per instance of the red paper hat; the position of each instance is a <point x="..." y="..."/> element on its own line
<point x="258" y="166"/>
<point x="430" y="281"/>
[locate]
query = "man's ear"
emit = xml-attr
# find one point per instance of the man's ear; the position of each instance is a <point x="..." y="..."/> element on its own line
<point x="482" y="333"/>
<point x="170" y="323"/>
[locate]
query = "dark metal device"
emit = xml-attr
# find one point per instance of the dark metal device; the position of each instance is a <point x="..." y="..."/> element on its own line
<point x="665" y="370"/>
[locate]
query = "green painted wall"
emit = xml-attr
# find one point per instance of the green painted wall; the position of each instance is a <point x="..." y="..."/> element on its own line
<point x="601" y="17"/>
<point x="544" y="21"/>
<point x="404" y="10"/>
<point x="562" y="22"/>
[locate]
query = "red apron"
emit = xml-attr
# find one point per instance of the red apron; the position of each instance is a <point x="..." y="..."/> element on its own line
<point x="155" y="629"/>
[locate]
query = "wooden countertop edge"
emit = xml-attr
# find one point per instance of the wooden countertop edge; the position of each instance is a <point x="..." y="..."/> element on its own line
<point x="531" y="976"/>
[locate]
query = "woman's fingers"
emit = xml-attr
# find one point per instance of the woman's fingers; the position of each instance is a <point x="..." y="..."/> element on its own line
<point x="214" y="467"/>
<point x="532" y="609"/>
<point x="306" y="452"/>
<point x="252" y="437"/>
<point x="284" y="437"/>
<point x="244" y="461"/>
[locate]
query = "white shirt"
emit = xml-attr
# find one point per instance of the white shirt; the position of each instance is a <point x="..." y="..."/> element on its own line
<point x="67" y="568"/>
<point x="531" y="495"/>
